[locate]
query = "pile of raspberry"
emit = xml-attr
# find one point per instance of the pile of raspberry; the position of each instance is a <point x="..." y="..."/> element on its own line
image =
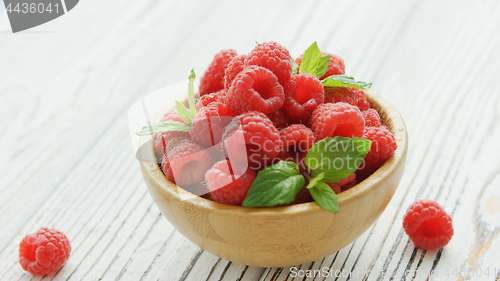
<point x="253" y="103"/>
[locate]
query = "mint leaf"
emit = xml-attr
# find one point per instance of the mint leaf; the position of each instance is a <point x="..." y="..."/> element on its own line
<point x="336" y="157"/>
<point x="185" y="114"/>
<point x="295" y="67"/>
<point x="168" y="126"/>
<point x="275" y="185"/>
<point x="310" y="60"/>
<point x="191" y="78"/>
<point x="325" y="197"/>
<point x="344" y="81"/>
<point x="313" y="181"/>
<point x="322" y="66"/>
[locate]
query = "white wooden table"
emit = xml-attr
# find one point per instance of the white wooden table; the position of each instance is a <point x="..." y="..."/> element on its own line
<point x="67" y="161"/>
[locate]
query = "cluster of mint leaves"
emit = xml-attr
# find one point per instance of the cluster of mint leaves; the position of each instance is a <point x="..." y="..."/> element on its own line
<point x="328" y="161"/>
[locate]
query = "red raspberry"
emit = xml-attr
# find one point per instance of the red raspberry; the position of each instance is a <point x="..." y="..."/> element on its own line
<point x="335" y="187"/>
<point x="254" y="132"/>
<point x="350" y="178"/>
<point x="185" y="161"/>
<point x="278" y="118"/>
<point x="274" y="57"/>
<point x="213" y="79"/>
<point x="205" y="100"/>
<point x="296" y="138"/>
<point x="209" y="123"/>
<point x="235" y="66"/>
<point x="336" y="65"/>
<point x="44" y="252"/>
<point x="303" y="94"/>
<point x="372" y="119"/>
<point x="383" y="146"/>
<point x="162" y="138"/>
<point x="428" y="225"/>
<point x="337" y="119"/>
<point x="362" y="102"/>
<point x="228" y="186"/>
<point x="341" y="94"/>
<point x="255" y="88"/>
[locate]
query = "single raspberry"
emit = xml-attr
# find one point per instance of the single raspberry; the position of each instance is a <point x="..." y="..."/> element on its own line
<point x="209" y="123"/>
<point x="205" y="100"/>
<point x="44" y="252"/>
<point x="372" y="119"/>
<point x="162" y="138"/>
<point x="337" y="119"/>
<point x="336" y="65"/>
<point x="278" y="118"/>
<point x="362" y="102"/>
<point x="255" y="88"/>
<point x="235" y="66"/>
<point x="303" y="94"/>
<point x="227" y="186"/>
<point x="254" y="132"/>
<point x="185" y="161"/>
<point x="296" y="138"/>
<point x="383" y="146"/>
<point x="213" y="79"/>
<point x="350" y="178"/>
<point x="341" y="94"/>
<point x="335" y="187"/>
<point x="274" y="57"/>
<point x="428" y="225"/>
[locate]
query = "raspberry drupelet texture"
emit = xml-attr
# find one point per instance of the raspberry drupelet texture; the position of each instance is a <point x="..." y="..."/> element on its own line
<point x="337" y="119"/>
<point x="428" y="225"/>
<point x="205" y="100"/>
<point x="296" y="138"/>
<point x="362" y="102"/>
<point x="252" y="138"/>
<point x="227" y="186"/>
<point x="303" y="94"/>
<point x="350" y="178"/>
<point x="162" y="138"/>
<point x="274" y="57"/>
<point x="185" y="162"/>
<point x="341" y="94"/>
<point x="213" y="79"/>
<point x="372" y="118"/>
<point x="235" y="66"/>
<point x="44" y="252"/>
<point x="278" y="118"/>
<point x="209" y="123"/>
<point x="255" y="88"/>
<point x="382" y="147"/>
<point x="336" y="65"/>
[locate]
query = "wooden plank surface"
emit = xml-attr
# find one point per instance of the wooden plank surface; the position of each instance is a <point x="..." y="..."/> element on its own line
<point x="68" y="163"/>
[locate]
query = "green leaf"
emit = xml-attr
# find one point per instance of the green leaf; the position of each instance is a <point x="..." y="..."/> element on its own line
<point x="310" y="60"/>
<point x="185" y="114"/>
<point x="295" y="67"/>
<point x="168" y="126"/>
<point x="192" y="106"/>
<point x="344" y="81"/>
<point x="336" y="157"/>
<point x="313" y="181"/>
<point x="323" y="194"/>
<point x="275" y="185"/>
<point x="322" y="66"/>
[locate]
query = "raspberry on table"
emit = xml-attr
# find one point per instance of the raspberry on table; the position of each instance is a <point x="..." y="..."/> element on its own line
<point x="337" y="119"/>
<point x="209" y="123"/>
<point x="372" y="118"/>
<point x="251" y="137"/>
<point x="362" y="102"/>
<point x="336" y="65"/>
<point x="227" y="186"/>
<point x="213" y="78"/>
<point x="296" y="138"/>
<point x="278" y="118"/>
<point x="303" y="94"/>
<point x="235" y="66"/>
<point x="255" y="88"/>
<point x="205" y="100"/>
<point x="185" y="162"/>
<point x="162" y="138"/>
<point x="44" y="252"/>
<point x="341" y="94"/>
<point x="274" y="57"/>
<point x="428" y="225"/>
<point x="382" y="147"/>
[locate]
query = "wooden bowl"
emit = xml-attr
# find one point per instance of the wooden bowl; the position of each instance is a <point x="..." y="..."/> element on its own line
<point x="282" y="236"/>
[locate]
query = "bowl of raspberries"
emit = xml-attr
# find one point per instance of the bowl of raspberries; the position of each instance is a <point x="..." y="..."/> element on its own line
<point x="274" y="161"/>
